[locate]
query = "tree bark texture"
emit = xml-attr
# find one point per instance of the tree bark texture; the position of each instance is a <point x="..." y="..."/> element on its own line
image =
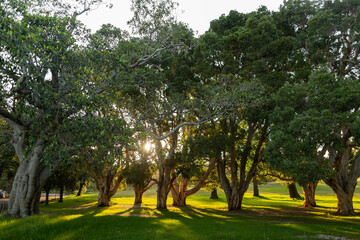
<point x="346" y="170"/>
<point x="138" y="195"/>
<point x="29" y="179"/>
<point x="309" y="194"/>
<point x="180" y="192"/>
<point x="293" y="192"/>
<point x="107" y="184"/>
<point x="166" y="167"/>
<point x="139" y="191"/>
<point x="80" y="189"/>
<point x="240" y="178"/>
<point x="164" y="185"/>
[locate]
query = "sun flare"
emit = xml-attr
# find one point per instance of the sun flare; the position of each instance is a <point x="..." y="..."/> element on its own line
<point x="147" y="147"/>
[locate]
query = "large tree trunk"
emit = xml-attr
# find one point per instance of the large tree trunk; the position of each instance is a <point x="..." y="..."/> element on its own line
<point x="29" y="178"/>
<point x="166" y="166"/>
<point x="104" y="199"/>
<point x="214" y="194"/>
<point x="231" y="193"/>
<point x="107" y="186"/>
<point x="140" y="190"/>
<point x="235" y="191"/>
<point x="347" y="172"/>
<point x="25" y="194"/>
<point x="345" y="203"/>
<point x="138" y="195"/>
<point x="164" y="185"/>
<point x="180" y="193"/>
<point x="309" y="194"/>
<point x="293" y="192"/>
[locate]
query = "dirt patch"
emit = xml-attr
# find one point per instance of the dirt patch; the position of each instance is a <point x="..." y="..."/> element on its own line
<point x="138" y="215"/>
<point x="322" y="236"/>
<point x="275" y="221"/>
<point x="300" y="211"/>
<point x="81" y="207"/>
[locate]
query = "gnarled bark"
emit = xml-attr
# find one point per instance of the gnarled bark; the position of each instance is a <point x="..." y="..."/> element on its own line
<point x="165" y="169"/>
<point x="107" y="185"/>
<point x="140" y="191"/>
<point x="30" y="176"/>
<point x="164" y="185"/>
<point x="180" y="192"/>
<point x="235" y="191"/>
<point x="309" y="194"/>
<point x="346" y="171"/>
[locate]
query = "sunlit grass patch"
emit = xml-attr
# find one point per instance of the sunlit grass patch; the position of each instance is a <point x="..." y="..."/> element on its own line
<point x="273" y="215"/>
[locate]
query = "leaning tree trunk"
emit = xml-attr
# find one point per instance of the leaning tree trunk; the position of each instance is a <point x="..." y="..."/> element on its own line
<point x="180" y="193"/>
<point x="309" y="194"/>
<point x="82" y="184"/>
<point x="214" y="194"/>
<point x="293" y="192"/>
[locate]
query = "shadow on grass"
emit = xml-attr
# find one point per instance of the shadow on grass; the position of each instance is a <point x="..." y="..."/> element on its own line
<point x="187" y="222"/>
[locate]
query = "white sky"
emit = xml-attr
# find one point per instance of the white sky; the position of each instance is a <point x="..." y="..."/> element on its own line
<point x="197" y="13"/>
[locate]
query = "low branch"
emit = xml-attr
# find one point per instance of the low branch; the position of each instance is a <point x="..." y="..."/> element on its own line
<point x="202" y="181"/>
<point x="5" y="114"/>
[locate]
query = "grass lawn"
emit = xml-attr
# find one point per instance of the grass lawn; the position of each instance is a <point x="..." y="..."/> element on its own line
<point x="272" y="216"/>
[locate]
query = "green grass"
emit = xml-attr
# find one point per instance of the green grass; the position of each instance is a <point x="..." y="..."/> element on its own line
<point x="272" y="216"/>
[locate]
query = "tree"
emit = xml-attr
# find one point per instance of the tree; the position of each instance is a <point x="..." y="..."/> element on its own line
<point x="316" y="132"/>
<point x="140" y="176"/>
<point x="102" y="141"/>
<point x="40" y="89"/>
<point x="194" y="166"/>
<point x="326" y="36"/>
<point x="249" y="60"/>
<point x="46" y="80"/>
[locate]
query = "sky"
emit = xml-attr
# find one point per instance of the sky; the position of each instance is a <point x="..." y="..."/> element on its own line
<point x="196" y="13"/>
